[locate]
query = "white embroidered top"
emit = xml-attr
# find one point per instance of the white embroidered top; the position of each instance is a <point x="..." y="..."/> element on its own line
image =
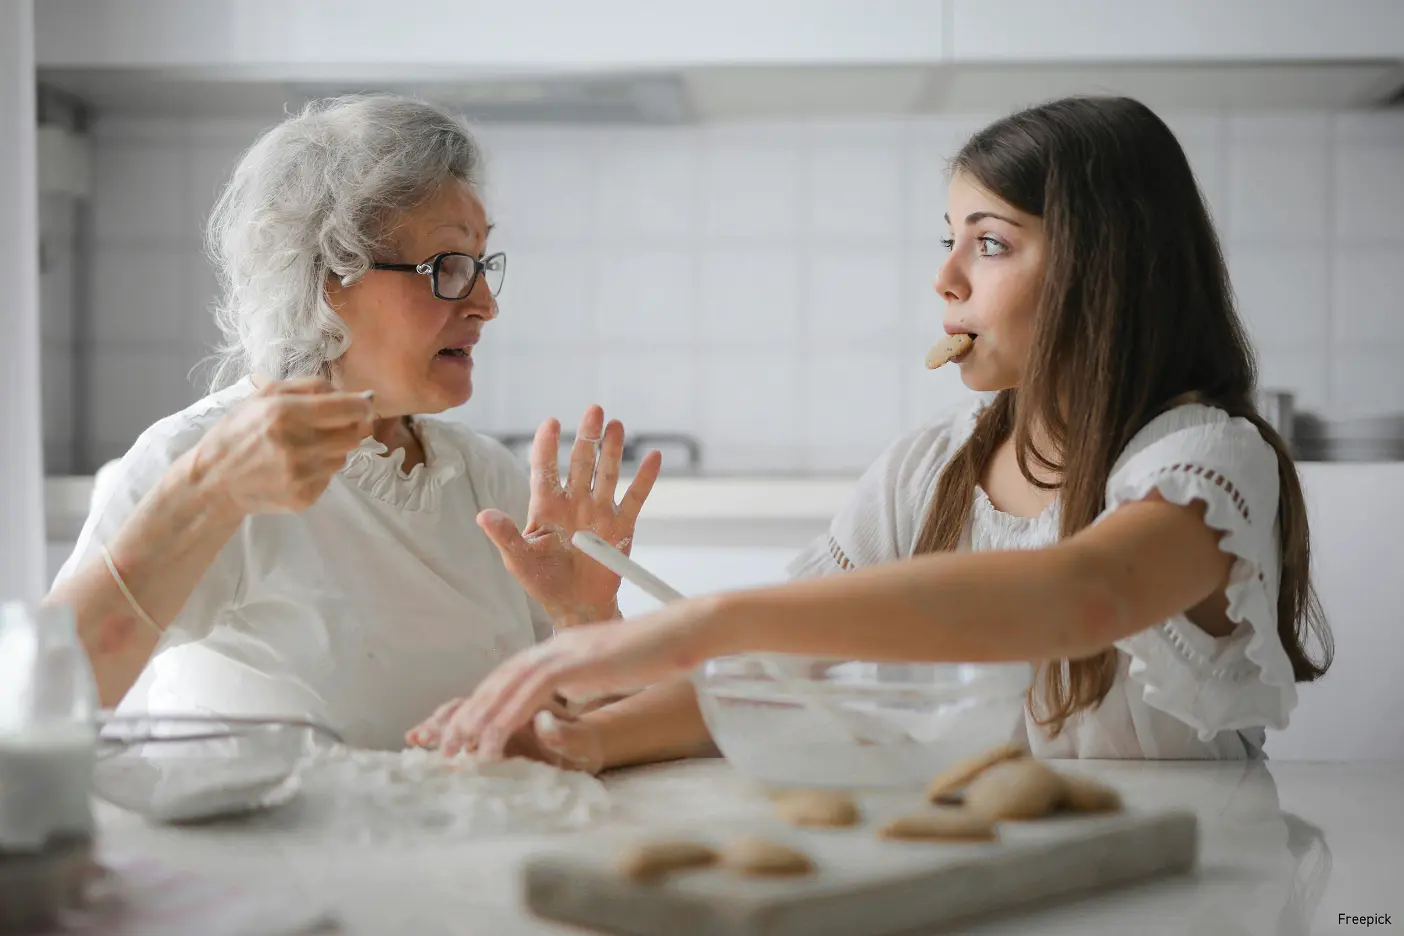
<point x="1179" y="693"/>
<point x="364" y="612"/>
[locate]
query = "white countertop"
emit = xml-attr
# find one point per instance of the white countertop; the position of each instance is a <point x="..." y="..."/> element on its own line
<point x="743" y="497"/>
<point x="1285" y="847"/>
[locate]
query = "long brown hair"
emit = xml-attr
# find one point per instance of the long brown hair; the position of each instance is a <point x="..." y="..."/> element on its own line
<point x="1136" y="313"/>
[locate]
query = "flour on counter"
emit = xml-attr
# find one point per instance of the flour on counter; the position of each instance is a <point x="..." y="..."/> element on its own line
<point x="417" y="794"/>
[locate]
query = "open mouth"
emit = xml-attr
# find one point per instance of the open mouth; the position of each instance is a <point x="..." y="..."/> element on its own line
<point x="456" y="353"/>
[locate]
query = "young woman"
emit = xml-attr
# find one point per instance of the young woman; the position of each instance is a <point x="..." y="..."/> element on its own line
<point x="1113" y="508"/>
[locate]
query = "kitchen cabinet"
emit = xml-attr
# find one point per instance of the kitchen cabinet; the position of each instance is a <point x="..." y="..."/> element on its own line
<point x="1038" y="32"/>
<point x="312" y="39"/>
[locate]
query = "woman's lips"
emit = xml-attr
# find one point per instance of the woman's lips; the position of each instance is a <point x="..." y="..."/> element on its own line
<point x="460" y="357"/>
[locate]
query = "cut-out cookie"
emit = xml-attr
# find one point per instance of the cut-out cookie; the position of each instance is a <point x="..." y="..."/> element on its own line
<point x="651" y="860"/>
<point x="1018" y="789"/>
<point x="1083" y="795"/>
<point x="824" y="808"/>
<point x="957" y="776"/>
<point x="761" y="858"/>
<point x="943" y="823"/>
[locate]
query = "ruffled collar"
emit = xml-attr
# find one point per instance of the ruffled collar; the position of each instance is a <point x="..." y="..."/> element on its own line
<point x="379" y="472"/>
<point x="1010" y="529"/>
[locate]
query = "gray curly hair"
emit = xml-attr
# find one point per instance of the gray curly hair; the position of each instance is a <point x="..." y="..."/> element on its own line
<point x="312" y="197"/>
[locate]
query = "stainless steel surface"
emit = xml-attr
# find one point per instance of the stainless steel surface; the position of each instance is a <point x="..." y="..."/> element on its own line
<point x="682" y="453"/>
<point x="1278" y="407"/>
<point x="1351" y="439"/>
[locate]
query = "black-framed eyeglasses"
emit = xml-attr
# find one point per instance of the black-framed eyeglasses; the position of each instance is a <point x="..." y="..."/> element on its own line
<point x="453" y="275"/>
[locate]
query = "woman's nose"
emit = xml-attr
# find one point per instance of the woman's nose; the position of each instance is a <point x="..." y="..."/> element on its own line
<point x="950" y="283"/>
<point x="480" y="302"/>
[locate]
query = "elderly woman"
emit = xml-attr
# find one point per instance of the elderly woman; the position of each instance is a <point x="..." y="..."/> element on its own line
<point x="307" y="541"/>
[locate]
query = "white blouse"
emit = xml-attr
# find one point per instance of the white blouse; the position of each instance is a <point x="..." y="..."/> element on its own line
<point x="365" y="612"/>
<point x="1179" y="692"/>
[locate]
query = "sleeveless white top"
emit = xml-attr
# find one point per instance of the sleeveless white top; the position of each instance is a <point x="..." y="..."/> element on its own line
<point x="364" y="612"/>
<point x="1179" y="692"/>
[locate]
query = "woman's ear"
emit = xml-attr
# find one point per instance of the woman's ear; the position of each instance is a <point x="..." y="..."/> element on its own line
<point x="334" y="287"/>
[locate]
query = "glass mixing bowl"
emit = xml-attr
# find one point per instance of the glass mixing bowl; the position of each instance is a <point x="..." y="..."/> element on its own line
<point x="192" y="768"/>
<point x="803" y="721"/>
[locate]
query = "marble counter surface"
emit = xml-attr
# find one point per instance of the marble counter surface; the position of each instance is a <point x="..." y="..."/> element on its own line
<point x="1286" y="848"/>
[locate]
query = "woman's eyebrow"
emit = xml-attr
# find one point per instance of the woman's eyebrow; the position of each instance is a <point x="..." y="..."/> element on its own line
<point x="460" y="226"/>
<point x="976" y="216"/>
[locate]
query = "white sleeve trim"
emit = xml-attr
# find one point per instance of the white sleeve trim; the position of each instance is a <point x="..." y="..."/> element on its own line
<point x="1244" y="680"/>
<point x="823" y="556"/>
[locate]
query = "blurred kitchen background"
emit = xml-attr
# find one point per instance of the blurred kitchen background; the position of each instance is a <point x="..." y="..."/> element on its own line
<point x="722" y="221"/>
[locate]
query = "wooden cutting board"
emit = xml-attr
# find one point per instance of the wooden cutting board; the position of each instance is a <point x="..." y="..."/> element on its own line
<point x="863" y="885"/>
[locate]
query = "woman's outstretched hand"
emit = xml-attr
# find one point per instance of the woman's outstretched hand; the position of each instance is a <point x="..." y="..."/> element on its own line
<point x="573" y="588"/>
<point x="582" y="663"/>
<point x="553" y="736"/>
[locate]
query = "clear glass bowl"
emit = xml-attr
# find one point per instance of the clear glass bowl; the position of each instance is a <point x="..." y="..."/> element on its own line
<point x="178" y="769"/>
<point x="802" y="721"/>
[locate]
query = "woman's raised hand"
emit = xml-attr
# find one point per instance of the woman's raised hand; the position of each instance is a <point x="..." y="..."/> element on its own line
<point x="573" y="588"/>
<point x="278" y="450"/>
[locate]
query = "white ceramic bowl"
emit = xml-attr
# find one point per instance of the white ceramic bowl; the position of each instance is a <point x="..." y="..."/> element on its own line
<point x="835" y="723"/>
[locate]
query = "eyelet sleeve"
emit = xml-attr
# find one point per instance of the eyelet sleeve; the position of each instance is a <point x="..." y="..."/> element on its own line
<point x="1243" y="680"/>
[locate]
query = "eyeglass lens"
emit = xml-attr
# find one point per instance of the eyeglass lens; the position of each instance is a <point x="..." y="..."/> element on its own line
<point x="456" y="274"/>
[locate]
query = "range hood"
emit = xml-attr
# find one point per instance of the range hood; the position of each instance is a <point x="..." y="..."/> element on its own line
<point x="700" y="95"/>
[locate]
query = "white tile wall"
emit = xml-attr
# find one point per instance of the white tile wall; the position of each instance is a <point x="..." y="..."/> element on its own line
<point x="1368" y="294"/>
<point x="749" y="297"/>
<point x="850" y="407"/>
<point x="648" y="187"/>
<point x="765" y="285"/>
<point x="58" y="280"/>
<point x="855" y="192"/>
<point x="1282" y="294"/>
<point x="646" y="307"/>
<point x="854" y="297"/>
<point x="751" y="190"/>
<point x="127" y="385"/>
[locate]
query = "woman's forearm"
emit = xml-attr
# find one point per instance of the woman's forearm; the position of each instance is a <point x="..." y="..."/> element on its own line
<point x="1030" y="605"/>
<point x="161" y="551"/>
<point x="660" y="723"/>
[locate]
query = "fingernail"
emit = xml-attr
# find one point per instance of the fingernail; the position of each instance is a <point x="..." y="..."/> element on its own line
<point x="367" y="394"/>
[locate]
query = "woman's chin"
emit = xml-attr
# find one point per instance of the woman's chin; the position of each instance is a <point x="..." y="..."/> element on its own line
<point x="445" y="395"/>
<point x="984" y="379"/>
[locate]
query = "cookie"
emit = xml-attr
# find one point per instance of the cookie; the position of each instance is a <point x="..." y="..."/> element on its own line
<point x="957" y="776"/>
<point x="948" y="347"/>
<point x="1083" y="795"/>
<point x="942" y="823"/>
<point x="1017" y="789"/>
<point x="823" y="808"/>
<point x="651" y="860"/>
<point x="756" y="857"/>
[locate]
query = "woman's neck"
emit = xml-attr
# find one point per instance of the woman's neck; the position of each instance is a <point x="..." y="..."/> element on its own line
<point x="397" y="432"/>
